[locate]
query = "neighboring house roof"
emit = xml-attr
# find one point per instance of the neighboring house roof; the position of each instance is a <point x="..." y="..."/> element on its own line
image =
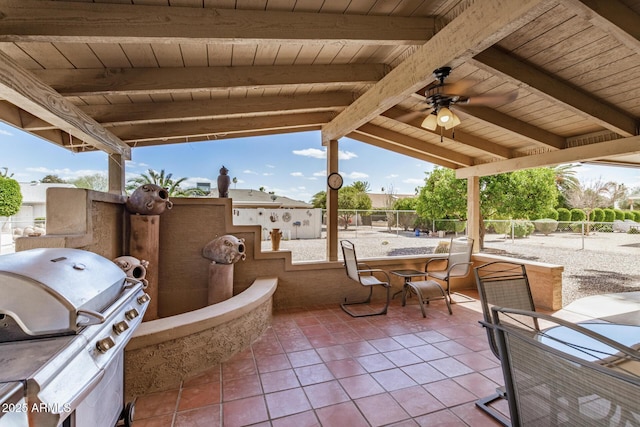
<point x="380" y="200"/>
<point x="253" y="198"/>
<point x="36" y="192"/>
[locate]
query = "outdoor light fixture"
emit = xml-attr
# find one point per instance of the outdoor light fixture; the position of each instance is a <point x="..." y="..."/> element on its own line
<point x="430" y="122"/>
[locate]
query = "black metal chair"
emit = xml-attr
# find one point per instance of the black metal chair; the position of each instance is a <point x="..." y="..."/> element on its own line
<point x="363" y="275"/>
<point x="501" y="284"/>
<point x="584" y="380"/>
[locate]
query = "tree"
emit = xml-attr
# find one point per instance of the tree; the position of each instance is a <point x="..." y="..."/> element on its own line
<point x="406" y="220"/>
<point x="5" y="173"/>
<point x="10" y="195"/>
<point x="566" y="181"/>
<point x="351" y="199"/>
<point x="522" y="194"/>
<point x="319" y="200"/>
<point x="97" y="182"/>
<point x="166" y="182"/>
<point x="589" y="197"/>
<point x="52" y="179"/>
<point x="443" y="196"/>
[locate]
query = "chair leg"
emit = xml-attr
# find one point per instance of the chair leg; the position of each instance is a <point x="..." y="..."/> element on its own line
<point x="345" y="305"/>
<point x="484" y="403"/>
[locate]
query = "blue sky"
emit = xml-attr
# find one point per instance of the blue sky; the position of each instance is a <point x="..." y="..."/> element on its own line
<point x="292" y="165"/>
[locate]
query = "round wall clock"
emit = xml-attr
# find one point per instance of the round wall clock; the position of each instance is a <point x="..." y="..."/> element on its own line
<point x="334" y="180"/>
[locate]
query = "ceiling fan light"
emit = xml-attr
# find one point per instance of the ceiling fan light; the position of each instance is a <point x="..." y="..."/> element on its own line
<point x="430" y="122"/>
<point x="444" y="116"/>
<point x="455" y="121"/>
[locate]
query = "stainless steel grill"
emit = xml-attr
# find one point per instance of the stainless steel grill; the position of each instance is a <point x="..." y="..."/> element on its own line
<point x="65" y="317"/>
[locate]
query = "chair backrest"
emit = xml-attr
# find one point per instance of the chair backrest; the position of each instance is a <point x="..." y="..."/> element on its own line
<point x="350" y="260"/>
<point x="546" y="386"/>
<point x="459" y="259"/>
<point x="503" y="284"/>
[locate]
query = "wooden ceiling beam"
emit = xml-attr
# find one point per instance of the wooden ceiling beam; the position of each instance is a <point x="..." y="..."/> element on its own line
<point x="550" y="88"/>
<point x="209" y="129"/>
<point x="415" y="144"/>
<point x="110" y="115"/>
<point x="400" y="149"/>
<point x="460" y="136"/>
<point x="613" y="16"/>
<point x="138" y="81"/>
<point x="21" y="88"/>
<point x="519" y="128"/>
<point x="73" y="22"/>
<point x="478" y="27"/>
<point x="582" y="153"/>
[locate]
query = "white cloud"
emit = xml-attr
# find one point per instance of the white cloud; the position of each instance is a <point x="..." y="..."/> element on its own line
<point x="66" y="173"/>
<point x="296" y="174"/>
<point x="311" y="152"/>
<point x="357" y="175"/>
<point x="268" y="174"/>
<point x="271" y="166"/>
<point x="393" y="175"/>
<point x="322" y="154"/>
<point x="249" y="172"/>
<point x="320" y="173"/>
<point x="5" y="132"/>
<point x="346" y="155"/>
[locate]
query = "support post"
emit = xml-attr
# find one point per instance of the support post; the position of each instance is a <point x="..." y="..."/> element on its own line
<point x="473" y="211"/>
<point x="332" y="203"/>
<point x="116" y="174"/>
<point x="144" y="245"/>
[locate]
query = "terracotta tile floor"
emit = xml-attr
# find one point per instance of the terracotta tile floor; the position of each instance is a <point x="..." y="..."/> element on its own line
<point x="321" y="367"/>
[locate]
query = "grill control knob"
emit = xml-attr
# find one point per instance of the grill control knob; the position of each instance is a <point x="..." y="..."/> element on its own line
<point x="143" y="298"/>
<point x="105" y="344"/>
<point x="120" y="327"/>
<point x="131" y="314"/>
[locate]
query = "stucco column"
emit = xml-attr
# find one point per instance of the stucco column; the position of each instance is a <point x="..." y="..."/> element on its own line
<point x="332" y="203"/>
<point x="473" y="211"/>
<point x="116" y="174"/>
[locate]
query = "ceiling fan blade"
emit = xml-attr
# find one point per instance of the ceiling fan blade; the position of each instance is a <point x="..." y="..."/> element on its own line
<point x="492" y="100"/>
<point x="405" y="118"/>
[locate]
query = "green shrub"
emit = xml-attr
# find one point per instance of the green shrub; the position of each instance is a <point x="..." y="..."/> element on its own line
<point x="577" y="227"/>
<point x="609" y="215"/>
<point x="578" y="215"/>
<point x="545" y="226"/>
<point x="596" y="215"/>
<point x="10" y="196"/>
<point x="619" y="214"/>
<point x="451" y="225"/>
<point x="564" y="215"/>
<point x="522" y="228"/>
<point x="628" y="215"/>
<point x="605" y="229"/>
<point x="636" y="216"/>
<point x="633" y="231"/>
<point x="499" y="227"/>
<point x="552" y="214"/>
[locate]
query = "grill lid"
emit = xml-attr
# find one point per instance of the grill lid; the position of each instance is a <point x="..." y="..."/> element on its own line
<point x="56" y="290"/>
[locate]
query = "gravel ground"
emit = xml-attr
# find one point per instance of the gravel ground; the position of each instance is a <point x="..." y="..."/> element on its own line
<point x="599" y="263"/>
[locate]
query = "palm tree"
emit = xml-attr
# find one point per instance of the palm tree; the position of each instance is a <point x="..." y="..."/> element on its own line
<point x="566" y="181"/>
<point x="164" y="181"/>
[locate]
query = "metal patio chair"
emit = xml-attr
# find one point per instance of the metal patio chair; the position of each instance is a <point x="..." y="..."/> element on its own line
<point x="458" y="264"/>
<point x="585" y="380"/>
<point x="501" y="284"/>
<point x="362" y="274"/>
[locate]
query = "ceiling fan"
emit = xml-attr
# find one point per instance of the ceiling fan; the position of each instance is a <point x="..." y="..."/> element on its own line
<point x="440" y="97"/>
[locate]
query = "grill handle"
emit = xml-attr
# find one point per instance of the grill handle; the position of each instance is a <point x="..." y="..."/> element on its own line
<point x="96" y="318"/>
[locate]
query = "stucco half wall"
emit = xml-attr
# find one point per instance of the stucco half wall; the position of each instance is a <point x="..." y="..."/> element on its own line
<point x="164" y="352"/>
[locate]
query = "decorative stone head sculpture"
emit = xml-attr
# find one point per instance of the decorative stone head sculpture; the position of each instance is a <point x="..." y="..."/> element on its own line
<point x="149" y="199"/>
<point x="225" y="249"/>
<point x="133" y="267"/>
<point x="223" y="182"/>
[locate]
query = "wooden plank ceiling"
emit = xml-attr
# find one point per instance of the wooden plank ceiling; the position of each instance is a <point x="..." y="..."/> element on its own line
<point x="563" y="76"/>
